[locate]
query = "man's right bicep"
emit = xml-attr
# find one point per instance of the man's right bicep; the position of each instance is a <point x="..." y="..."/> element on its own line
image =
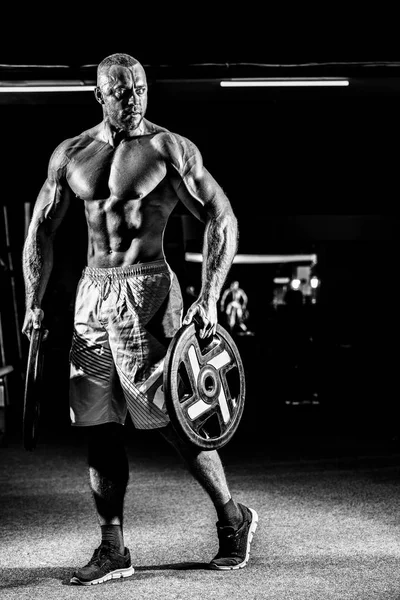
<point x="51" y="206"/>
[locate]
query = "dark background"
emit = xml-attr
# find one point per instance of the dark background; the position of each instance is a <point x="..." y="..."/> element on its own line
<point x="306" y="171"/>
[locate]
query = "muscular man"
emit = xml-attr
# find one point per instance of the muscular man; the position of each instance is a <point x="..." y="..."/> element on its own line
<point x="129" y="174"/>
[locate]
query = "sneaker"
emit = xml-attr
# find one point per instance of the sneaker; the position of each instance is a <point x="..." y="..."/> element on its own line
<point x="106" y="563"/>
<point x="234" y="544"/>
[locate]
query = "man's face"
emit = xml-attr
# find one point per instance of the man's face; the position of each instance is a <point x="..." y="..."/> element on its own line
<point x="123" y="93"/>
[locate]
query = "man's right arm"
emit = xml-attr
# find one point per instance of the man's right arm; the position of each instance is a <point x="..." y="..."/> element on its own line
<point x="49" y="210"/>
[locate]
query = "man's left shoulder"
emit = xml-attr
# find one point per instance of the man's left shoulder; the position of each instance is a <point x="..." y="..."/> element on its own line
<point x="164" y="136"/>
<point x="174" y="147"/>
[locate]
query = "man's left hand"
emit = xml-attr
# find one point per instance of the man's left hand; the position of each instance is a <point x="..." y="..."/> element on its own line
<point x="205" y="315"/>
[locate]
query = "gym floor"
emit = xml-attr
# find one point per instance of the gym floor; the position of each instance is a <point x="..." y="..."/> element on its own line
<point x="328" y="520"/>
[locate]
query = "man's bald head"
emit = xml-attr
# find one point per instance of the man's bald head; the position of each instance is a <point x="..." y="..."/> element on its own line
<point x="122" y="91"/>
<point x="124" y="60"/>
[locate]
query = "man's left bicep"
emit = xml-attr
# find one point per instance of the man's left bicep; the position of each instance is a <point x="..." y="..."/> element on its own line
<point x="203" y="196"/>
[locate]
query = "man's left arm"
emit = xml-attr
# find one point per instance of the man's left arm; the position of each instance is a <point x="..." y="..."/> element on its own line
<point x="206" y="200"/>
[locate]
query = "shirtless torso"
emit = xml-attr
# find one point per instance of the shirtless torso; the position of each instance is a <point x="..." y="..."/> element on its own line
<point x="128" y="191"/>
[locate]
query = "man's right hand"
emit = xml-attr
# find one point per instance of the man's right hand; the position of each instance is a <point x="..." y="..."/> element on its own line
<point x="33" y="320"/>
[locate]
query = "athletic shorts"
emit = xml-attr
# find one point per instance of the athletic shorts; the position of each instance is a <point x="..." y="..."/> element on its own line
<point x="124" y="320"/>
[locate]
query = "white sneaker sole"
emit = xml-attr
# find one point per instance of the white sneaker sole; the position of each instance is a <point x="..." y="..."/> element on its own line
<point x="117" y="574"/>
<point x="253" y="527"/>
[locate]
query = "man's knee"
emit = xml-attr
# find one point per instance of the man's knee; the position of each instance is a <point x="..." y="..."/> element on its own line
<point x="190" y="453"/>
<point x="182" y="446"/>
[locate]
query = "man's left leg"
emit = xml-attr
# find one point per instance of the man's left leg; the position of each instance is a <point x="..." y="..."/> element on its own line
<point x="236" y="523"/>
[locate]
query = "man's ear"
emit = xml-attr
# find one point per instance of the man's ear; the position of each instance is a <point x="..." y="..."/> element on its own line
<point x="98" y="95"/>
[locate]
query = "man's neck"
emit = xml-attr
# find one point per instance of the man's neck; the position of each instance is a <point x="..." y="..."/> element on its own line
<point x="114" y="136"/>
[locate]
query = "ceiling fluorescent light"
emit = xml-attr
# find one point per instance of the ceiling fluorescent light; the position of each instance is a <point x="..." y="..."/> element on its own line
<point x="289" y="82"/>
<point x="45" y="88"/>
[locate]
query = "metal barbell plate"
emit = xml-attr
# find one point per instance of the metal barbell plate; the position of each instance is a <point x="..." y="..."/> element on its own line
<point x="204" y="387"/>
<point x="32" y="393"/>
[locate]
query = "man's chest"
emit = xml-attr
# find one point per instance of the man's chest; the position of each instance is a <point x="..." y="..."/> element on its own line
<point x="130" y="171"/>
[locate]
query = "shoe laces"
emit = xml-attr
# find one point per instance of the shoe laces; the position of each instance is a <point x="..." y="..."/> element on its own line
<point x="101" y="554"/>
<point x="228" y="539"/>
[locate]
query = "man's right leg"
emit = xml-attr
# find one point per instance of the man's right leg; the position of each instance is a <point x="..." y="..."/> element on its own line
<point x="109" y="474"/>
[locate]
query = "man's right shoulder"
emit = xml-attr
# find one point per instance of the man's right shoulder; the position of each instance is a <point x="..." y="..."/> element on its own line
<point x="67" y="148"/>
